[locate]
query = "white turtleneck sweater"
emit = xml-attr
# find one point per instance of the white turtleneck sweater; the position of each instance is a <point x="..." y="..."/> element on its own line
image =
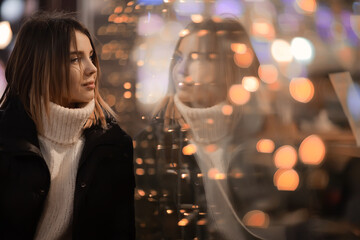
<point x="210" y="127"/>
<point x="61" y="145"/>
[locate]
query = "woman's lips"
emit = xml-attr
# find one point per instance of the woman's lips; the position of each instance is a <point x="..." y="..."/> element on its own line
<point x="89" y="85"/>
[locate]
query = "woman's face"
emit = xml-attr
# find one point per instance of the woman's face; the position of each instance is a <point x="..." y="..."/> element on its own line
<point x="196" y="74"/>
<point x="83" y="72"/>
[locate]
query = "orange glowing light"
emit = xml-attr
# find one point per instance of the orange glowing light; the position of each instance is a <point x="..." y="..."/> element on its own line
<point x="286" y="179"/>
<point x="118" y="9"/>
<point x="239" y="48"/>
<point x="183" y="222"/>
<point x="211" y="148"/>
<point x="238" y="94"/>
<point x="244" y="60"/>
<point x="308" y="6"/>
<point x="127" y="94"/>
<point x="169" y="211"/>
<point x="141" y="192"/>
<point x="201" y="222"/>
<point x="202" y="32"/>
<point x="251" y="83"/>
<point x="212" y="173"/>
<point x="140" y="171"/>
<point x="285" y="157"/>
<point x="312" y="150"/>
<point x="189" y="149"/>
<point x="127" y="85"/>
<point x="256" y="218"/>
<point x="236" y="173"/>
<point x="301" y="89"/>
<point x="227" y="110"/>
<point x="265" y="146"/>
<point x="268" y="73"/>
<point x="197" y="18"/>
<point x="139" y="161"/>
<point x="263" y="28"/>
<point x="112" y="17"/>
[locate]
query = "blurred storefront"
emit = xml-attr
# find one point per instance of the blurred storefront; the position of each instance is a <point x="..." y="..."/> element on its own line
<point x="302" y="175"/>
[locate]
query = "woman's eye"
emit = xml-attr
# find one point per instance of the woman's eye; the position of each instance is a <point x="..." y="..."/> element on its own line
<point x="177" y="58"/>
<point x="74" y="60"/>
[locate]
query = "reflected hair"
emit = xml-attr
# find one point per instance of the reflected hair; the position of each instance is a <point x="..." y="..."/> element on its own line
<point x="38" y="69"/>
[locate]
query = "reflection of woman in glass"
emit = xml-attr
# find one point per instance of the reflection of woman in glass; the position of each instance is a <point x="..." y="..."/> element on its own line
<point x="199" y="139"/>
<point x="66" y="169"/>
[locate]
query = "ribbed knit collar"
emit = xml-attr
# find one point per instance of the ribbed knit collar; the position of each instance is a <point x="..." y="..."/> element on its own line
<point x="208" y="125"/>
<point x="65" y="125"/>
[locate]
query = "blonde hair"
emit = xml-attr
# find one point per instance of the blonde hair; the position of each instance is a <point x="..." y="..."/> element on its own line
<point x="39" y="65"/>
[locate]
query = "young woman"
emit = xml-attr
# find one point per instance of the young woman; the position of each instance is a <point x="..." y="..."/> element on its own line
<point x="66" y="168"/>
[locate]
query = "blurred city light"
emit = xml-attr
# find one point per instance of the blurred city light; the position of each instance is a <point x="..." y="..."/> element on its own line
<point x="268" y="73"/>
<point x="285" y="157"/>
<point x="302" y="49"/>
<point x="312" y="150"/>
<point x="281" y="51"/>
<point x="265" y="146"/>
<point x="5" y="34"/>
<point x="286" y="179"/>
<point x="301" y="89"/>
<point x="228" y="7"/>
<point x="12" y="10"/>
<point x="256" y="218"/>
<point x="251" y="83"/>
<point x="238" y="95"/>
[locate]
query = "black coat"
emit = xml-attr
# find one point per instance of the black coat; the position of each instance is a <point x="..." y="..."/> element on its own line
<point x="103" y="199"/>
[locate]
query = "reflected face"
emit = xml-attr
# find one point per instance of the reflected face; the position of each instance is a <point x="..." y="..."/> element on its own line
<point x="82" y="72"/>
<point x="196" y="74"/>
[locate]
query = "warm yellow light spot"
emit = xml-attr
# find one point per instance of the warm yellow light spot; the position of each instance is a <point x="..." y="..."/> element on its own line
<point x="238" y="95"/>
<point x="189" y="149"/>
<point x="268" y="73"/>
<point x="140" y="171"/>
<point x="194" y="56"/>
<point x="210" y="121"/>
<point x="239" y="48"/>
<point x="308" y="6"/>
<point x="312" y="150"/>
<point x="139" y="161"/>
<point x="111" y="100"/>
<point x="220" y="176"/>
<point x="188" y="79"/>
<point x="112" y="17"/>
<point x="211" y="148"/>
<point x="197" y="18"/>
<point x="184" y="33"/>
<point x="285" y="157"/>
<point x="256" y="218"/>
<point x="286" y="179"/>
<point x="140" y="63"/>
<point x="301" y="89"/>
<point x="169" y="211"/>
<point x="244" y="60"/>
<point x="184" y="175"/>
<point x="183" y="222"/>
<point x="127" y="85"/>
<point x="202" y="32"/>
<point x="265" y="146"/>
<point x="201" y="222"/>
<point x="281" y="51"/>
<point x="227" y="110"/>
<point x="212" y="173"/>
<point x="127" y="94"/>
<point x="251" y="83"/>
<point x="141" y="192"/>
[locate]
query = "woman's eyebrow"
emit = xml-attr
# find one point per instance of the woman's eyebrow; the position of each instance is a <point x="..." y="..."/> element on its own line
<point x="81" y="52"/>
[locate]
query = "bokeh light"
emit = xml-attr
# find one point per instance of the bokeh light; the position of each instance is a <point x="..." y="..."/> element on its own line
<point x="251" y="83"/>
<point x="286" y="179"/>
<point x="227" y="110"/>
<point x="302" y="49"/>
<point x="150" y="2"/>
<point x="306" y="6"/>
<point x="12" y="10"/>
<point x="285" y="157"/>
<point x="262" y="29"/>
<point x="188" y="7"/>
<point x="281" y="51"/>
<point x="189" y="149"/>
<point x="238" y="94"/>
<point x="268" y="73"/>
<point x="230" y="7"/>
<point x="301" y="89"/>
<point x="265" y="146"/>
<point x="149" y="24"/>
<point x="256" y="218"/>
<point x="312" y="150"/>
<point x="244" y="59"/>
<point x="5" y="34"/>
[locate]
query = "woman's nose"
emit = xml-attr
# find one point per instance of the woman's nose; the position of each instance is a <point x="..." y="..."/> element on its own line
<point x="183" y="67"/>
<point x="89" y="67"/>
